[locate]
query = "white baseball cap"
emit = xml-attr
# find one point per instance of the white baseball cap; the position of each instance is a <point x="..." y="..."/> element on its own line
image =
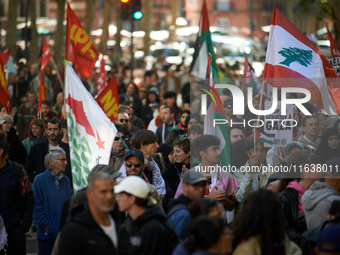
<point x="133" y="185"/>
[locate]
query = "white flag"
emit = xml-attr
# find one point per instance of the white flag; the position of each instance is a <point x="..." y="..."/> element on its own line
<point x="90" y="131"/>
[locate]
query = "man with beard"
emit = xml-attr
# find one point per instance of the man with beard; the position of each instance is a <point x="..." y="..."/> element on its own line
<point x="146" y="142"/>
<point x="93" y="229"/>
<point x="134" y="165"/>
<point x="35" y="160"/>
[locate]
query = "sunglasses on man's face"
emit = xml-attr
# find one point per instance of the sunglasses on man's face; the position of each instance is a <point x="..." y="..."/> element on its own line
<point x="137" y="164"/>
<point x="122" y="120"/>
<point x="229" y="106"/>
<point x="117" y="138"/>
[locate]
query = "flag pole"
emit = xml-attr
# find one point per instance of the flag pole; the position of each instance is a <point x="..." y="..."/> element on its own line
<point x="123" y="141"/>
<point x="58" y="74"/>
<point x="254" y="142"/>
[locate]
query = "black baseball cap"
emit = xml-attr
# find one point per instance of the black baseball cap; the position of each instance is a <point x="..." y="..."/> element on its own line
<point x="136" y="153"/>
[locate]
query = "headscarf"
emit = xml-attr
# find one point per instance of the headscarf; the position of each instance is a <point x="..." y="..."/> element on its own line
<point x="324" y="151"/>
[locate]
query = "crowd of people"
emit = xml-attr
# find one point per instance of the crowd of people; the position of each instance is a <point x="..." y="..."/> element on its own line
<point x="160" y="192"/>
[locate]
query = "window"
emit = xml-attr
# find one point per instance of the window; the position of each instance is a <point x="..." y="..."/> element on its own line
<point x="223" y="22"/>
<point x="223" y="5"/>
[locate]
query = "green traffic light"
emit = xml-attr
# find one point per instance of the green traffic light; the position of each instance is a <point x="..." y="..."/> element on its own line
<point x="137" y="15"/>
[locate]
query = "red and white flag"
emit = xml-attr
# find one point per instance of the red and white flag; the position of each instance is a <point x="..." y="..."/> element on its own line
<point x="102" y="79"/>
<point x="290" y="54"/>
<point x="46" y="53"/>
<point x="334" y="48"/>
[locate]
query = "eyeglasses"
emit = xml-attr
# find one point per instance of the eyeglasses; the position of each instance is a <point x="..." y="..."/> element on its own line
<point x="62" y="159"/>
<point x="129" y="164"/>
<point x="229" y="106"/>
<point x="122" y="120"/>
<point x="117" y="138"/>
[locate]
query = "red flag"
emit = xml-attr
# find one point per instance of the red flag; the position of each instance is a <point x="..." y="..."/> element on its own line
<point x="45" y="59"/>
<point x="102" y="79"/>
<point x="108" y="99"/>
<point x="79" y="48"/>
<point x="42" y="90"/>
<point x="5" y="56"/>
<point x="4" y="95"/>
<point x="46" y="53"/>
<point x="334" y="48"/>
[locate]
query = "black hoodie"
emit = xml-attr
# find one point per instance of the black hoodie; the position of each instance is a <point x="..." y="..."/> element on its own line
<point x="83" y="236"/>
<point x="148" y="234"/>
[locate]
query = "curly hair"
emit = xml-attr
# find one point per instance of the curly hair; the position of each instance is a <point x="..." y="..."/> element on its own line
<point x="261" y="215"/>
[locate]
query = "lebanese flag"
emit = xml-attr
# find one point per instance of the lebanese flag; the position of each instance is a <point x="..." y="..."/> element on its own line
<point x="334" y="48"/>
<point x="79" y="49"/>
<point x="90" y="131"/>
<point x="102" y="79"/>
<point x="290" y="54"/>
<point x="108" y="99"/>
<point x="5" y="99"/>
<point x="250" y="79"/>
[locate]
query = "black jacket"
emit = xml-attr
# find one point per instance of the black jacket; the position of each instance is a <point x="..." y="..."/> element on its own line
<point x="83" y="236"/>
<point x="290" y="207"/>
<point x="35" y="160"/>
<point x="16" y="197"/>
<point x="18" y="148"/>
<point x="148" y="234"/>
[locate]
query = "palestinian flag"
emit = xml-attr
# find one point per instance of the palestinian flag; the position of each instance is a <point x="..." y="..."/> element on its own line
<point x="215" y="111"/>
<point x="263" y="137"/>
<point x="90" y="131"/>
<point x="290" y="54"/>
<point x="203" y="46"/>
<point x="334" y="48"/>
<point x="250" y="79"/>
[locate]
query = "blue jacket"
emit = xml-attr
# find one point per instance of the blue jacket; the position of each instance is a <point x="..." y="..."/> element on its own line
<point x="48" y="203"/>
<point x="179" y="216"/>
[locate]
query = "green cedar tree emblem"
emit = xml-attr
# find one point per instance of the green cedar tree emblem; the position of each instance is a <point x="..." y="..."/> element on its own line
<point x="303" y="57"/>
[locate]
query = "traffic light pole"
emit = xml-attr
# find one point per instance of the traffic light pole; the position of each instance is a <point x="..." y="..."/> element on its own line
<point x="131" y="46"/>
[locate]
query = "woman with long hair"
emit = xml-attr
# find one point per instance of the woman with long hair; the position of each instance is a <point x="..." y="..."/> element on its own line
<point x="259" y="227"/>
<point x="36" y="135"/>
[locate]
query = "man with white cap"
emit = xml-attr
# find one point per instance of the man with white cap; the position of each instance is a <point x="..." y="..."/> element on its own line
<point x="145" y="231"/>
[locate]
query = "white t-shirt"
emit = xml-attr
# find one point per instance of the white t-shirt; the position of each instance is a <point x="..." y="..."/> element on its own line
<point x="110" y="231"/>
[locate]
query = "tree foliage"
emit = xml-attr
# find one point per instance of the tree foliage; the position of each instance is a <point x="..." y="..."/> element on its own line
<point x="327" y="9"/>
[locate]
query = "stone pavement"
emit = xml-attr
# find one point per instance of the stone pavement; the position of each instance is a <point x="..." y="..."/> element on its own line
<point x="31" y="243"/>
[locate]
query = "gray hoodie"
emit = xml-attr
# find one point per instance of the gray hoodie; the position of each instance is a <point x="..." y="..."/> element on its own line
<point x="316" y="202"/>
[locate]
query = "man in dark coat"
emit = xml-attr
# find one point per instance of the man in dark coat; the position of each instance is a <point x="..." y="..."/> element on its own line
<point x="91" y="229"/>
<point x="35" y="160"/>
